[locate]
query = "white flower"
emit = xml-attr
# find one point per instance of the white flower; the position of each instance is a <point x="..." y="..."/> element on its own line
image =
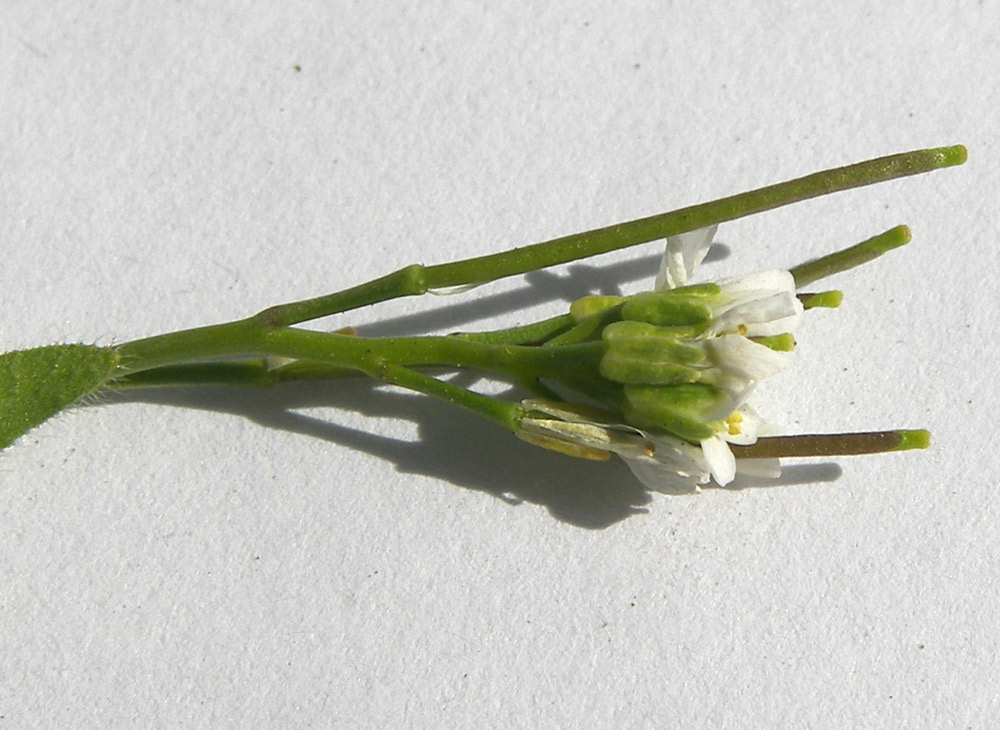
<point x="738" y="365"/>
<point x="757" y="305"/>
<point x="661" y="462"/>
<point x="764" y="303"/>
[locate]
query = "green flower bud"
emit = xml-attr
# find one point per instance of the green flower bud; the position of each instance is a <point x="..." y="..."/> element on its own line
<point x="687" y="306"/>
<point x="588" y="306"/>
<point x="639" y="352"/>
<point x="679" y="409"/>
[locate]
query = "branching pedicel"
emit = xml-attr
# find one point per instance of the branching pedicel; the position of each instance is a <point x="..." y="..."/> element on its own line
<point x="664" y="379"/>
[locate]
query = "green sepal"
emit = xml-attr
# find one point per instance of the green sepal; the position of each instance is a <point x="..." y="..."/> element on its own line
<point x="589" y="328"/>
<point x="588" y="306"/>
<point x="706" y="290"/>
<point x="676" y="307"/>
<point x="639" y="352"/>
<point x="679" y="409"/>
<point x="38" y="383"/>
<point x="645" y="338"/>
<point x="635" y="369"/>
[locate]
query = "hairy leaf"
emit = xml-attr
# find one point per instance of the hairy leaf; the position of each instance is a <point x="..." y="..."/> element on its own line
<point x="38" y="383"/>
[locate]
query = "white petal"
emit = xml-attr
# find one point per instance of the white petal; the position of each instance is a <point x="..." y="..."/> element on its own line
<point x="673" y="466"/>
<point x="661" y="478"/>
<point x="763" y="303"/>
<point x="770" y="282"/>
<point x="720" y="460"/>
<point x="743" y="358"/>
<point x="773" y="314"/>
<point x="683" y="253"/>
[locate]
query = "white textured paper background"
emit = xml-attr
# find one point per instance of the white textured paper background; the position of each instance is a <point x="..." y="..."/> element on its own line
<point x="341" y="556"/>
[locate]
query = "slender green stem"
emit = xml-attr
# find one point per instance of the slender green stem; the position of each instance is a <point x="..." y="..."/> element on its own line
<point x="528" y="334"/>
<point x="589" y="328"/>
<point x="834" y="444"/>
<point x="505" y="414"/>
<point x="862" y="253"/>
<point x="248" y="373"/>
<point x="515" y="361"/>
<point x="418" y="279"/>
<point x="259" y="372"/>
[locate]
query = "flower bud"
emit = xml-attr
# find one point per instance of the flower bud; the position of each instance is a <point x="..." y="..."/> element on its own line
<point x="588" y="306"/>
<point x="687" y="306"/>
<point x="643" y="353"/>
<point x="683" y="410"/>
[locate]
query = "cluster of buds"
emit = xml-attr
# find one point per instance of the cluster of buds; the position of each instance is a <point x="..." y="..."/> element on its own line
<point x="677" y="373"/>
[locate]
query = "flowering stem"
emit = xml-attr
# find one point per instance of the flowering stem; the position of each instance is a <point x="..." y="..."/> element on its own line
<point x="837" y="444"/>
<point x="418" y="279"/>
<point x="185" y="357"/>
<point x="172" y="360"/>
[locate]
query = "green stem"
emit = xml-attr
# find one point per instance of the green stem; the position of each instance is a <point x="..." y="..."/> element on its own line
<point x="187" y="347"/>
<point x="418" y="279"/>
<point x="528" y="334"/>
<point x="862" y="253"/>
<point x="504" y="414"/>
<point x="381" y="359"/>
<point x="515" y="361"/>
<point x="232" y="339"/>
<point x="833" y="444"/>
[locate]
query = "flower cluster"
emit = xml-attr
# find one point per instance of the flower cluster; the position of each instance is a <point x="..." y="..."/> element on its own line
<point x="687" y="359"/>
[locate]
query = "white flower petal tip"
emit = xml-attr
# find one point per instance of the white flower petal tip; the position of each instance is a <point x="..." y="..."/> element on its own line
<point x="738" y="357"/>
<point x="758" y="305"/>
<point x="682" y="255"/>
<point x="720" y="460"/>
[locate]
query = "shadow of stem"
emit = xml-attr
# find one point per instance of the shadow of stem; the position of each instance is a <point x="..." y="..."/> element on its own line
<point x="451" y="446"/>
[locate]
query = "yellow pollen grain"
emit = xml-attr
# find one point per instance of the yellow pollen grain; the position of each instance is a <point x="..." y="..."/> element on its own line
<point x="733" y="423"/>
